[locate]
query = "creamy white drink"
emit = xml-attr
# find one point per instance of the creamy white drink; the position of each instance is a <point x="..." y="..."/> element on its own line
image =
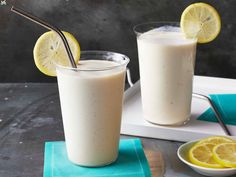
<point x="91" y="103"/>
<point x="166" y="62"/>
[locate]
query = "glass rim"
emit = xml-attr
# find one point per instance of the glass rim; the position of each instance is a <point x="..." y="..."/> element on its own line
<point x="99" y="52"/>
<point x="137" y="32"/>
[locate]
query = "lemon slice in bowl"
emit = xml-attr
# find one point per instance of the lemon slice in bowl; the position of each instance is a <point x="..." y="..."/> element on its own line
<point x="201" y="21"/>
<point x="201" y="155"/>
<point x="216" y="140"/>
<point x="49" y="50"/>
<point x="225" y="154"/>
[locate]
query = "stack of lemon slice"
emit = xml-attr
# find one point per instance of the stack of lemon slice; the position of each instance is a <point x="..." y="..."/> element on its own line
<point x="214" y="152"/>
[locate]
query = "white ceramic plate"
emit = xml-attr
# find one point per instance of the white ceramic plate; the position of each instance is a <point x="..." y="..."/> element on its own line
<point x="182" y="154"/>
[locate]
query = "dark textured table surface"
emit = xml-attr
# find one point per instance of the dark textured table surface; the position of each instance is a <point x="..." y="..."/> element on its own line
<point x="30" y="115"/>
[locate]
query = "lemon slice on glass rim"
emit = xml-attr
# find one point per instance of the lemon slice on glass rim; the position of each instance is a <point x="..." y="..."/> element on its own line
<point x="201" y="21"/>
<point x="49" y="50"/>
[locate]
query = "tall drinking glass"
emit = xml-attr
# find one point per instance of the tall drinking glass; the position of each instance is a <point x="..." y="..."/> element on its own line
<point x="166" y="63"/>
<point x="91" y="98"/>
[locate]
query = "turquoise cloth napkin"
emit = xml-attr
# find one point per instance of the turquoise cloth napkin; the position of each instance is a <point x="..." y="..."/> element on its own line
<point x="226" y="105"/>
<point x="131" y="162"/>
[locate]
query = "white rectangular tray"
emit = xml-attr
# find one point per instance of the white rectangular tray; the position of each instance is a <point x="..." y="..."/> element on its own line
<point x="134" y="124"/>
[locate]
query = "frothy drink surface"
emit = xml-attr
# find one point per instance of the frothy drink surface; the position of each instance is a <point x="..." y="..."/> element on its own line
<point x="91" y="103"/>
<point x="166" y="61"/>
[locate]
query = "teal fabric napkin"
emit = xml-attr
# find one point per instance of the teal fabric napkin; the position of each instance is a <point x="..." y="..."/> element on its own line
<point x="131" y="162"/>
<point x="226" y="105"/>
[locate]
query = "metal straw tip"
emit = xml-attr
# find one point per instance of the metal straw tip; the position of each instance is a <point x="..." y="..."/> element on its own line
<point x="47" y="26"/>
<point x="14" y="9"/>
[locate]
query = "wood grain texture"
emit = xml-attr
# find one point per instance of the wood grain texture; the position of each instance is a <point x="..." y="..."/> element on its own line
<point x="155" y="161"/>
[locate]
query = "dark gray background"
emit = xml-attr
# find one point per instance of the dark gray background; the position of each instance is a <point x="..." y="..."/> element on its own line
<point x="107" y="25"/>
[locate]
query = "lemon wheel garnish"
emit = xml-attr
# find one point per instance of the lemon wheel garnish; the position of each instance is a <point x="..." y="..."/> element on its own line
<point x="215" y="140"/>
<point x="202" y="155"/>
<point x="225" y="154"/>
<point x="49" y="50"/>
<point x="201" y="21"/>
